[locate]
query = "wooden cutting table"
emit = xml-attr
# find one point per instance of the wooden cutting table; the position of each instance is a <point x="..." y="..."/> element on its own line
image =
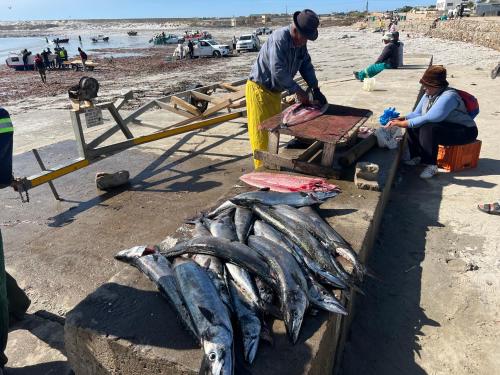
<point x="336" y="128"/>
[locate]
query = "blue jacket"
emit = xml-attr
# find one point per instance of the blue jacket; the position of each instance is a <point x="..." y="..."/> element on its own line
<point x="447" y="106"/>
<point x="6" y="148"/>
<point x="279" y="61"/>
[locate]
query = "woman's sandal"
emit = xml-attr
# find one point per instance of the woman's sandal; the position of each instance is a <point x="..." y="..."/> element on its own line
<point x="490" y="208"/>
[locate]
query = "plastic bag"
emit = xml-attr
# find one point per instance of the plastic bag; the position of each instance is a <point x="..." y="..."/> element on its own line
<point x="388" y="137"/>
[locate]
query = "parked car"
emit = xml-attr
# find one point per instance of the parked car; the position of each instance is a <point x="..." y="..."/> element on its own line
<point x="209" y="47"/>
<point x="248" y="42"/>
<point x="263" y="31"/>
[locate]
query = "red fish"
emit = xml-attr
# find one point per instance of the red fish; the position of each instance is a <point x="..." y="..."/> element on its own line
<point x="299" y="113"/>
<point x="286" y="183"/>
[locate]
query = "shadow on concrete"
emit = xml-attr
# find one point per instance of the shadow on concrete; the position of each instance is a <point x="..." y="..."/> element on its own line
<point x="384" y="336"/>
<point x="145" y="318"/>
<point x="167" y="173"/>
<point x="48" y="368"/>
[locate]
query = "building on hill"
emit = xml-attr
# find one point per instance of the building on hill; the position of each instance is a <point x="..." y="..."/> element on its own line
<point x="447" y="5"/>
<point x="488" y="8"/>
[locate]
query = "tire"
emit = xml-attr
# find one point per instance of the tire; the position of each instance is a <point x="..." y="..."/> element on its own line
<point x="216" y="54"/>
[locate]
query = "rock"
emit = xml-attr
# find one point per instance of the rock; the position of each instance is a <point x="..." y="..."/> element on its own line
<point x="106" y="181"/>
<point x="366" y="170"/>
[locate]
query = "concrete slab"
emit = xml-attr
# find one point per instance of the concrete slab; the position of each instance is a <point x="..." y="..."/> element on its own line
<point x="124" y="326"/>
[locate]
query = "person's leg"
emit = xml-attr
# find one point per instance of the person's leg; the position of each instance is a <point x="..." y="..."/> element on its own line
<point x="4" y="308"/>
<point x="261" y="105"/>
<point x="18" y="300"/>
<point x="371" y="71"/>
<point x="414" y="142"/>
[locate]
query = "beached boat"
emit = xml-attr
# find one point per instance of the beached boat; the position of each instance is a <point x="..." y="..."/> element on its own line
<point x="60" y="40"/>
<point x="100" y="38"/>
<point x="15" y="61"/>
<point x="132" y="33"/>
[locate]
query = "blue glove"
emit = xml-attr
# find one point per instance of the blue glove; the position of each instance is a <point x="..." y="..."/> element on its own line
<point x="389" y="114"/>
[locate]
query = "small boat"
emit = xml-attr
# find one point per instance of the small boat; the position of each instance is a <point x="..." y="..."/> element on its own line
<point x="59" y="40"/>
<point x="100" y="38"/>
<point x="15" y="61"/>
<point x="132" y="33"/>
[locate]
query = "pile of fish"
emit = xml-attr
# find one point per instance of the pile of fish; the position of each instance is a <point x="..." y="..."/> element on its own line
<point x="261" y="254"/>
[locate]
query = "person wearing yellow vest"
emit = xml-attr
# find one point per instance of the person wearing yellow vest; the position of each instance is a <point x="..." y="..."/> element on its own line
<point x="280" y="58"/>
<point x="13" y="301"/>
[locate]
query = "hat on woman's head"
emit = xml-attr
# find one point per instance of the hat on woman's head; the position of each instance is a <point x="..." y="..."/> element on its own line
<point x="307" y="23"/>
<point x="435" y="76"/>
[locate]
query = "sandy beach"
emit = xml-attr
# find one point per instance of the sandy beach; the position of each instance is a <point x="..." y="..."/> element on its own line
<point x="462" y="300"/>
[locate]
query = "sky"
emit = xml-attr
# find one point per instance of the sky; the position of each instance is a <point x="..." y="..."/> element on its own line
<point x="15" y="10"/>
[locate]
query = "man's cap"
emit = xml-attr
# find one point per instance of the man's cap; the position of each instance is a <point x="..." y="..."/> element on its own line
<point x="307" y="23"/>
<point x="435" y="76"/>
<point x="388" y="36"/>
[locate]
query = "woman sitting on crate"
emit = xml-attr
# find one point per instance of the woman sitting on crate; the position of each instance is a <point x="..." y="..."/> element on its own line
<point x="444" y="116"/>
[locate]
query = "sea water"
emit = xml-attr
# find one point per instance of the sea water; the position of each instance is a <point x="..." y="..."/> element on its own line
<point x="36" y="45"/>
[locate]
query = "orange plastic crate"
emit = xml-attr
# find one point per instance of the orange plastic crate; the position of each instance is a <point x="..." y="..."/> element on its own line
<point x="458" y="158"/>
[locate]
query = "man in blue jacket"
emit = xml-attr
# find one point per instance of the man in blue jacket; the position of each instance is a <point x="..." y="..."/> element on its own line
<point x="13" y="300"/>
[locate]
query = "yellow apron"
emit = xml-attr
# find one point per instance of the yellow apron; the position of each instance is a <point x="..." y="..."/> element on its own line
<point x="261" y="105"/>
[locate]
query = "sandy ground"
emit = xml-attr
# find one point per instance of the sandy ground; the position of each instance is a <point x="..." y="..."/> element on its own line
<point x="436" y="309"/>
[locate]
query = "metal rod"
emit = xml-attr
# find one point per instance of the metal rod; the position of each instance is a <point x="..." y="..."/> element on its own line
<point x="42" y="167"/>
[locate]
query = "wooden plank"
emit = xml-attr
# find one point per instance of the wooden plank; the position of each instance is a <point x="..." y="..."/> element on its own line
<point x="328" y="152"/>
<point x="295" y="165"/>
<point x="234" y="96"/>
<point x="239" y="104"/>
<point x="310" y="151"/>
<point x="208" y="98"/>
<point x="216" y="108"/>
<point x="274" y="142"/>
<point x="229" y="87"/>
<point x="177" y="111"/>
<point x="187" y="106"/>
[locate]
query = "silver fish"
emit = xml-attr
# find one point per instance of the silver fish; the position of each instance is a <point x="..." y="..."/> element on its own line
<point x="334" y="239"/>
<point x="243" y="219"/>
<point x="215" y="270"/>
<point x="320" y="297"/>
<point x="209" y="316"/>
<point x="265" y="230"/>
<point x="271" y="198"/>
<point x="222" y="225"/>
<point x="159" y="270"/>
<point x="243" y="280"/>
<point x="200" y="229"/>
<point x="232" y="252"/>
<point x="298" y="235"/>
<point x="248" y="322"/>
<point x="292" y="284"/>
<point x="223" y="207"/>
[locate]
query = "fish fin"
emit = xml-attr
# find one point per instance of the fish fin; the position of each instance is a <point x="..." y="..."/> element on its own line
<point x="207" y="314"/>
<point x="357" y="289"/>
<point x="370" y="273"/>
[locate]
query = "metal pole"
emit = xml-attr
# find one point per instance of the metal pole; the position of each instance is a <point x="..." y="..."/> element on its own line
<point x="42" y="167"/>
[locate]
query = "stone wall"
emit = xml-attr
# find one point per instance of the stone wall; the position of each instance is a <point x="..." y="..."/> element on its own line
<point x="482" y="32"/>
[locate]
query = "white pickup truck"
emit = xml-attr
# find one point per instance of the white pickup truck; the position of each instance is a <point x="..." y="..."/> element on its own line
<point x="209" y="47"/>
<point x="248" y="42"/>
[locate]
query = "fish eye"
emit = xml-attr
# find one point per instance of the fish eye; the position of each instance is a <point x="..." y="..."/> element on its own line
<point x="212" y="356"/>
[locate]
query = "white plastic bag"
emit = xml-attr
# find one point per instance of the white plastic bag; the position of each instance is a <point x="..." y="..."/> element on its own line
<point x="388" y="137"/>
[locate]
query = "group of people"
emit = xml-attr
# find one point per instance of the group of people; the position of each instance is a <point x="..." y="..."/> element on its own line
<point x="441" y="117"/>
<point x="46" y="60"/>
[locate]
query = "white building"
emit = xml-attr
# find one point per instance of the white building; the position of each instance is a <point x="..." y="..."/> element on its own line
<point x="446" y="5"/>
<point x="488" y="8"/>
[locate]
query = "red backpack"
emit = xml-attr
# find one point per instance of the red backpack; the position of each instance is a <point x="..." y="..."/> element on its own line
<point x="470" y="101"/>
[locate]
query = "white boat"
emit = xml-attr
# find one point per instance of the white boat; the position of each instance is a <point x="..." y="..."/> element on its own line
<point x="100" y="38"/>
<point x="15" y="61"/>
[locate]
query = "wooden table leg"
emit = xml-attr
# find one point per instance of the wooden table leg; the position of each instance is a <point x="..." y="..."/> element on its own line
<point x="274" y="142"/>
<point x="327" y="157"/>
